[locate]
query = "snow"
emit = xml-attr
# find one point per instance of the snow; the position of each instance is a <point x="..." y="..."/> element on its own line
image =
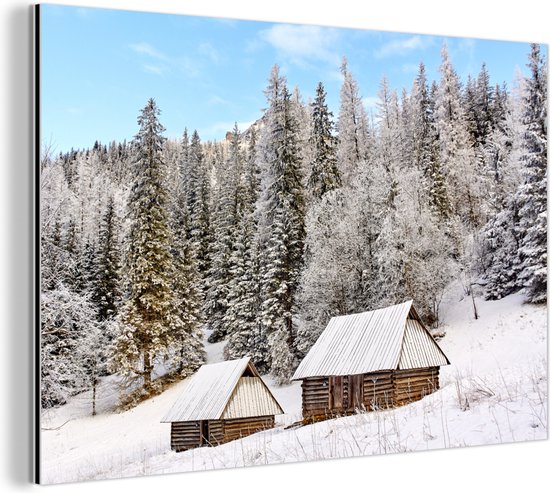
<point x="214" y="352"/>
<point x="494" y="391"/>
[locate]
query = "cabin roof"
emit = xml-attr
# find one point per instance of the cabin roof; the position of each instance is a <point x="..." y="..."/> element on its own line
<point x="385" y="339"/>
<point x="220" y="391"/>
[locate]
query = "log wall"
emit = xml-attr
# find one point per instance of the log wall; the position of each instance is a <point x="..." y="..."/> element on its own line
<point x="315" y="398"/>
<point x="328" y="397"/>
<point x="185" y="435"/>
<point x="242" y="427"/>
<point x="412" y="385"/>
<point x="378" y="390"/>
<point x="215" y="430"/>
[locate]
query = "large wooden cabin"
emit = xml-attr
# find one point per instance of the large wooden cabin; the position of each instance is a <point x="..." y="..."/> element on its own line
<point x="365" y="361"/>
<point x="221" y="402"/>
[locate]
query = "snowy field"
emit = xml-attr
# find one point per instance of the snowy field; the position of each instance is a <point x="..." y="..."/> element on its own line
<point x="495" y="391"/>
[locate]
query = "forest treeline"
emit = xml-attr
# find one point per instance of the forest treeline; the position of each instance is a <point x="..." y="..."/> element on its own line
<point x="259" y="239"/>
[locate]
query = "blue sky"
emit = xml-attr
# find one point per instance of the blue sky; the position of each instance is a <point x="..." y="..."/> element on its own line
<point x="100" y="66"/>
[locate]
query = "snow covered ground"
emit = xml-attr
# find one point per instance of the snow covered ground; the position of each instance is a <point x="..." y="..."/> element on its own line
<point x="495" y="391"/>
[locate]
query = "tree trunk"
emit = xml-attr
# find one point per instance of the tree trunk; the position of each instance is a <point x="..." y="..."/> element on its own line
<point x="147" y="371"/>
<point x="476" y="316"/>
<point x="94" y="387"/>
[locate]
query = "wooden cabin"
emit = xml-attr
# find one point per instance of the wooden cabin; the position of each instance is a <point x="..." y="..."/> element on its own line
<point x="221" y="402"/>
<point x="365" y="361"/>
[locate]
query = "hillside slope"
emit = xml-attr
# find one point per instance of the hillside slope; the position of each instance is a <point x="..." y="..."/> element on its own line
<point x="494" y="391"/>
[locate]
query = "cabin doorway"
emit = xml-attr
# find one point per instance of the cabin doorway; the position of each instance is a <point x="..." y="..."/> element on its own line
<point x="336" y="393"/>
<point x="355" y="392"/>
<point x="205" y="433"/>
<point x="346" y="393"/>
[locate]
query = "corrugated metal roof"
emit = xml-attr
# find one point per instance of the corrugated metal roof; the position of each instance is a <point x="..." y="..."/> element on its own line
<point x="251" y="398"/>
<point x="364" y="343"/>
<point x="419" y="350"/>
<point x="209" y="391"/>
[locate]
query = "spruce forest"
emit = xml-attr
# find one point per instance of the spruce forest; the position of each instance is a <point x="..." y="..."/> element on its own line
<point x="149" y="247"/>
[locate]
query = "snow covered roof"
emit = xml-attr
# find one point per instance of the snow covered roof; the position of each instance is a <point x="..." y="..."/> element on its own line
<point x="386" y="339"/>
<point x="220" y="391"/>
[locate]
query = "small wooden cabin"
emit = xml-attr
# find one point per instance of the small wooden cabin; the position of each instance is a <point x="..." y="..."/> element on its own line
<point x="377" y="359"/>
<point x="221" y="402"/>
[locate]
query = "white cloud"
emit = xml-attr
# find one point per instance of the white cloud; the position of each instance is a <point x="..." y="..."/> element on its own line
<point x="147" y="49"/>
<point x="165" y="63"/>
<point x="154" y="69"/>
<point x="210" y="52"/>
<point x="303" y="43"/>
<point x="401" y="47"/>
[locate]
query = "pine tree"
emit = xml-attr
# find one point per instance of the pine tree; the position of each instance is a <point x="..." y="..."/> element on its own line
<point x="425" y="145"/>
<point x="224" y="222"/>
<point x="484" y="104"/>
<point x="149" y="316"/>
<point x="245" y="331"/>
<point x="106" y="283"/>
<point x="188" y="344"/>
<point x="282" y="227"/>
<point x="352" y="127"/>
<point x="500" y="153"/>
<point x="68" y="323"/>
<point x="304" y="142"/>
<point x="532" y="196"/>
<point x="184" y="167"/>
<point x="470" y="108"/>
<point x="77" y="277"/>
<point x="323" y="173"/>
<point x="389" y="150"/>
<point x="438" y="193"/>
<point x="457" y="158"/>
<point x="198" y="202"/>
<point x="500" y="239"/>
<point x="188" y="350"/>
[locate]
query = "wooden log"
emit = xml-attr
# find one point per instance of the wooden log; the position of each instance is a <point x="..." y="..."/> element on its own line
<point x="377" y="380"/>
<point x="406" y="381"/>
<point x="322" y="405"/>
<point x="216" y="431"/>
<point x="415" y="372"/>
<point x="382" y="374"/>
<point x="412" y="385"/>
<point x="315" y="403"/>
<point x="237" y="430"/>
<point x="315" y="387"/>
<point x="315" y="399"/>
<point x="315" y="394"/>
<point x="406" y="377"/>
<point x="378" y="388"/>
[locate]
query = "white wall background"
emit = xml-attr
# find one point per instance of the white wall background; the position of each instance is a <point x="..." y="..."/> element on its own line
<point x="520" y="467"/>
